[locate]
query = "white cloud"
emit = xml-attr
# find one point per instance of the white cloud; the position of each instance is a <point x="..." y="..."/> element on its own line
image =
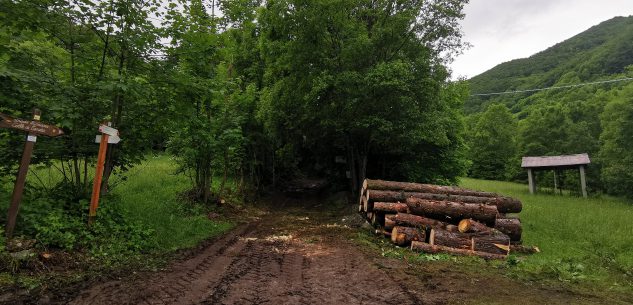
<point x="502" y="30"/>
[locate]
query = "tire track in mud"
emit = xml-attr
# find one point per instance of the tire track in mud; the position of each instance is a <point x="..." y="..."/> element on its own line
<point x="256" y="265"/>
<point x="174" y="285"/>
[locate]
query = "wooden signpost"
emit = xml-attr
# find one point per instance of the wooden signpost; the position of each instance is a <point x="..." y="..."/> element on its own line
<point x="34" y="128"/>
<point x="108" y="135"/>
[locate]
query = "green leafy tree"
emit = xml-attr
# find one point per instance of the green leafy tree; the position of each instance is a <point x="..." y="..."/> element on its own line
<point x="493" y="144"/>
<point x="362" y="79"/>
<point x="617" y="144"/>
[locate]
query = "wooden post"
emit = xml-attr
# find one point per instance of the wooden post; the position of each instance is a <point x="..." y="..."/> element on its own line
<point x="109" y="135"/>
<point x="531" y="181"/>
<point x="583" y="181"/>
<point x="555" y="181"/>
<point x="20" y="180"/>
<point x="96" y="188"/>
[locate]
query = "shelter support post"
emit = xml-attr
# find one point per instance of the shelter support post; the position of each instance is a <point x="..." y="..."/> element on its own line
<point x="531" y="181"/>
<point x="583" y="181"/>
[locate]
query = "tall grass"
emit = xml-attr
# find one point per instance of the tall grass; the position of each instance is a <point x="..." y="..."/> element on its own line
<point x="150" y="196"/>
<point x="579" y="238"/>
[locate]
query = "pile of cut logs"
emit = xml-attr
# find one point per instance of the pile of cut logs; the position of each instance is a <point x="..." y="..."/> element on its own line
<point x="433" y="219"/>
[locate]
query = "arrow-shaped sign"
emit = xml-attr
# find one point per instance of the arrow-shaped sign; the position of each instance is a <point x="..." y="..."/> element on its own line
<point x="108" y="130"/>
<point x="111" y="139"/>
<point x="32" y="127"/>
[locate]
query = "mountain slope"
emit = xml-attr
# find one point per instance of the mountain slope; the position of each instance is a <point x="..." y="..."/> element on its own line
<point x="601" y="52"/>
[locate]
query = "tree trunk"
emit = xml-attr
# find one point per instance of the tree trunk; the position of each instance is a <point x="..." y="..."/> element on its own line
<point x="472" y="226"/>
<point x="450" y="239"/>
<point x="503" y="204"/>
<point x="428" y="248"/>
<point x="390" y="207"/>
<point x="403" y="236"/>
<point x="424" y="188"/>
<point x="452" y="211"/>
<point x="410" y="220"/>
<point x="495" y="243"/>
<point x="510" y="226"/>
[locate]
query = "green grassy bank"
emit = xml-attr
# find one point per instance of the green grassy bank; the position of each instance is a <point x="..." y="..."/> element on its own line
<point x="580" y="239"/>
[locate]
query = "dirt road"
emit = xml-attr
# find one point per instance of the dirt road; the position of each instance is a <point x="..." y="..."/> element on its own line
<point x="300" y="254"/>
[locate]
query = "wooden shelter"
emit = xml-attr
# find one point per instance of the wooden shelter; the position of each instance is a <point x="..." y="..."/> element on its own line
<point x="556" y="163"/>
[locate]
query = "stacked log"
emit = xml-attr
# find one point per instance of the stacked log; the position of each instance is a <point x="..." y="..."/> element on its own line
<point x="433" y="218"/>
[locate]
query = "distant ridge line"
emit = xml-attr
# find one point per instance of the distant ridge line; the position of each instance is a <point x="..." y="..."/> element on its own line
<point x="555" y="87"/>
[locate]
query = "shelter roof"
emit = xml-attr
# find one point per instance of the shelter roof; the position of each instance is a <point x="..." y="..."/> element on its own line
<point x="555" y="161"/>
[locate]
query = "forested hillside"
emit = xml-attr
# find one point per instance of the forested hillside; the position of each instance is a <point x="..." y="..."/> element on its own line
<point x="592" y="118"/>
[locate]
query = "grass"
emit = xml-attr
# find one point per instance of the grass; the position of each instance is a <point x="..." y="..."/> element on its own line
<point x="150" y="196"/>
<point x="580" y="239"/>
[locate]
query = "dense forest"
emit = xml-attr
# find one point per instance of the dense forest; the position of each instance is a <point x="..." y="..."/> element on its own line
<point x="594" y="118"/>
<point x="260" y="92"/>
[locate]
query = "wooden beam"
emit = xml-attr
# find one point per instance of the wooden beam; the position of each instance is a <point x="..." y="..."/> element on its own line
<point x="583" y="181"/>
<point x="531" y="181"/>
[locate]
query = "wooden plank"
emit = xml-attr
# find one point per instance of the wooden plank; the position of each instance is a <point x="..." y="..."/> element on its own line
<point x="33" y="127"/>
<point x="111" y="139"/>
<point x="105" y="129"/>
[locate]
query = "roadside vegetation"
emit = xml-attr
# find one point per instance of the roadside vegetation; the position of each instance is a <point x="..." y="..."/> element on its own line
<point x="140" y="224"/>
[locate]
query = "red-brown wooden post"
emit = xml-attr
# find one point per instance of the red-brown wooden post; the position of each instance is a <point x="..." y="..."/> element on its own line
<point x="108" y="135"/>
<point x="18" y="188"/>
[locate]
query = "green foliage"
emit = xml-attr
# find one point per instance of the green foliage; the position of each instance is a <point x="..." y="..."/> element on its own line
<point x="3" y="246"/>
<point x="150" y="199"/>
<point x="53" y="226"/>
<point x="565" y="121"/>
<point x="591" y="55"/>
<point x="363" y="79"/>
<point x="617" y="144"/>
<point x="492" y="143"/>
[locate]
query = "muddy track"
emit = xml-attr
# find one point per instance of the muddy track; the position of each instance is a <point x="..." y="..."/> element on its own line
<point x="300" y="255"/>
<point x="265" y="262"/>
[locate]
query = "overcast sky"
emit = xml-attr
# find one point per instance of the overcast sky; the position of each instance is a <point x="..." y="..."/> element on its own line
<point x="502" y="30"/>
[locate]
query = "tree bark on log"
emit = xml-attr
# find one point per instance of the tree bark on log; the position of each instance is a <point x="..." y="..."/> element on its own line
<point x="391" y="207"/>
<point x="403" y="236"/>
<point x="503" y="204"/>
<point x="388" y="196"/>
<point x="510" y="226"/>
<point x="452" y="228"/>
<point x="410" y="220"/>
<point x="452" y="211"/>
<point x="471" y="226"/>
<point x="428" y="248"/>
<point x="495" y="243"/>
<point x="389" y="223"/>
<point x="524" y="249"/>
<point x="450" y="239"/>
<point x="424" y="188"/>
